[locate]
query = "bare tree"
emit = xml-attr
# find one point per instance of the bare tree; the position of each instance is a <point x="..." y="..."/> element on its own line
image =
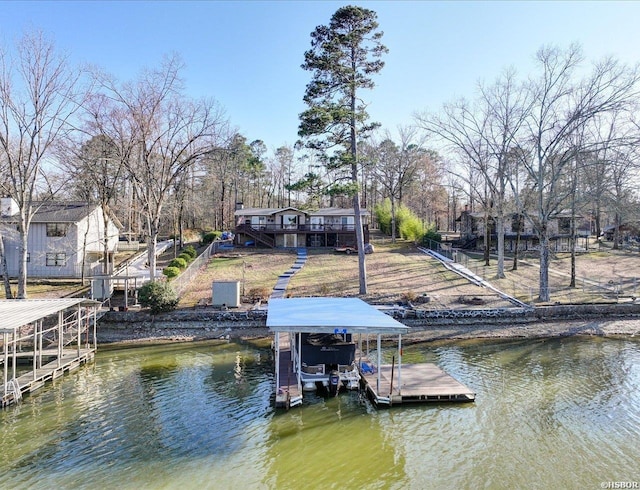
<point x="561" y="108"/>
<point x="37" y="99"/>
<point x="395" y="166"/>
<point x="169" y="134"/>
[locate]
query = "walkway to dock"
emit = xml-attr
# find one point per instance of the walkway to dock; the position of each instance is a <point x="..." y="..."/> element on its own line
<point x="288" y="392"/>
<point x="283" y="279"/>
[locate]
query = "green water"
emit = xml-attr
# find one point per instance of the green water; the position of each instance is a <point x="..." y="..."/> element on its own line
<point x="548" y="414"/>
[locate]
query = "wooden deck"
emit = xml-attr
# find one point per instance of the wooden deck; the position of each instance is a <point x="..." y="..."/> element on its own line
<point x="421" y="383"/>
<point x="33" y="380"/>
<point x="287" y="392"/>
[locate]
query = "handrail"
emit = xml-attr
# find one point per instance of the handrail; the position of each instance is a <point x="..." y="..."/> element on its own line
<point x="13" y="387"/>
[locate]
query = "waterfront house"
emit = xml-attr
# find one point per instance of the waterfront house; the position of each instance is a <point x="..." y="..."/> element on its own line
<point x="290" y="227"/>
<point x="473" y="227"/>
<point x="65" y="239"/>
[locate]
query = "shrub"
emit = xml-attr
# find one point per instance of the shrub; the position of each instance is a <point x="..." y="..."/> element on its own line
<point x="383" y="216"/>
<point x="158" y="296"/>
<point x="431" y="235"/>
<point x="186" y="257"/>
<point x="190" y="249"/>
<point x="171" y="272"/>
<point x="259" y="294"/>
<point x="179" y="263"/>
<point x="409" y="296"/>
<point x="210" y="236"/>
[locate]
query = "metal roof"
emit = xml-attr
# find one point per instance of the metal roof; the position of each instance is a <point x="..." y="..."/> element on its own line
<point x="329" y="315"/>
<point x="15" y="313"/>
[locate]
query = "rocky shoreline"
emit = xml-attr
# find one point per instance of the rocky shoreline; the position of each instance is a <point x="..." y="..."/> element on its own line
<point x="142" y="328"/>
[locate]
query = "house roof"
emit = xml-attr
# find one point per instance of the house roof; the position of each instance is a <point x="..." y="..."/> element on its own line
<point x="318" y="212"/>
<point x="329" y="315"/>
<point x="16" y="313"/>
<point x="58" y="212"/>
<point x="338" y="212"/>
<point x="265" y="211"/>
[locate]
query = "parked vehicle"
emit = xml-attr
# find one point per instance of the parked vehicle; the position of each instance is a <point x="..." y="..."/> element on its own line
<point x="349" y="249"/>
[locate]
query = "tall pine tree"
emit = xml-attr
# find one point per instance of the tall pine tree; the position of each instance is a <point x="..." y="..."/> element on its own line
<point x="342" y="58"/>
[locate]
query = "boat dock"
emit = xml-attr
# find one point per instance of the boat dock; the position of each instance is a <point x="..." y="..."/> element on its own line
<point x="41" y="340"/>
<point x="288" y="392"/>
<point x="351" y="318"/>
<point x="416" y="383"/>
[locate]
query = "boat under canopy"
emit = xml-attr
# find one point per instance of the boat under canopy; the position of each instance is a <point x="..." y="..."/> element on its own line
<point x="314" y="343"/>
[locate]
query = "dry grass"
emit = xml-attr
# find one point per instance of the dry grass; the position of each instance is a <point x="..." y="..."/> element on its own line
<point x="254" y="270"/>
<point x="397" y="272"/>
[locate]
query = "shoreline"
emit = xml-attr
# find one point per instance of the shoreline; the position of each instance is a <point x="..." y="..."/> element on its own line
<point x="599" y="327"/>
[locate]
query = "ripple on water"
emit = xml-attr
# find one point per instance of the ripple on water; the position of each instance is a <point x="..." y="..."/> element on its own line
<point x="561" y="413"/>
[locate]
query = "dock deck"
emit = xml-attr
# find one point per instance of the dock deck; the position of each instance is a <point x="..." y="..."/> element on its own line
<point x="421" y="383"/>
<point x="32" y="380"/>
<point x="48" y="337"/>
<point x="287" y="392"/>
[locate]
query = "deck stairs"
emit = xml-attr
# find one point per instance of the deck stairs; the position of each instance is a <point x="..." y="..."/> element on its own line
<point x="258" y="235"/>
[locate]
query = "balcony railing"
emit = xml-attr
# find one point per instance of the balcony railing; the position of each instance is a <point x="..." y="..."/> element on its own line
<point x="308" y="228"/>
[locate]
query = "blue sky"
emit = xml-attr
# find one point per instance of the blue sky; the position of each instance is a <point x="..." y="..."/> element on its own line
<point x="247" y="54"/>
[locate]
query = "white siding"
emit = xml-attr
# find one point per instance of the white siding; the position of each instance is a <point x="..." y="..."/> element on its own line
<point x="39" y="245"/>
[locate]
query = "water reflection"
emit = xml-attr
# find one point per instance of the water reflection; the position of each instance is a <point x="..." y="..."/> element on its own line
<point x="555" y="413"/>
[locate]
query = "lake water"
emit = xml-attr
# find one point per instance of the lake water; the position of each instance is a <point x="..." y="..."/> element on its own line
<point x="562" y="413"/>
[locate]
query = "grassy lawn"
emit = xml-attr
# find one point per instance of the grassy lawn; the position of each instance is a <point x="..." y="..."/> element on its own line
<point x="399" y="271"/>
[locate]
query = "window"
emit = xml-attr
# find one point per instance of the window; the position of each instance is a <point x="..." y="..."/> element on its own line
<point x="57" y="229"/>
<point x="564" y="225"/>
<point x="517" y="223"/>
<point x="56" y="259"/>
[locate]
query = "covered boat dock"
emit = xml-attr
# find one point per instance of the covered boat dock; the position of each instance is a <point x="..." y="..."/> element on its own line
<point x="41" y="340"/>
<point x="386" y="384"/>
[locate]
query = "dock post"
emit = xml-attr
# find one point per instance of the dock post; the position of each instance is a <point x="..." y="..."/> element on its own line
<point x="400" y="364"/>
<point x="379" y="364"/>
<point x="5" y="339"/>
<point x="60" y="338"/>
<point x="78" y="326"/>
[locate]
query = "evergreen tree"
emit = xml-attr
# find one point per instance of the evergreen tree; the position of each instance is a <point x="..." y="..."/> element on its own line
<point x="342" y="58"/>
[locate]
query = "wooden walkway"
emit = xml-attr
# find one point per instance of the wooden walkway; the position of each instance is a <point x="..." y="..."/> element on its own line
<point x="32" y="380"/>
<point x="287" y="392"/>
<point x="421" y="383"/>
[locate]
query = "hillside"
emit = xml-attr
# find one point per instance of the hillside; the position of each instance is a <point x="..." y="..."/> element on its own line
<point x="397" y="272"/>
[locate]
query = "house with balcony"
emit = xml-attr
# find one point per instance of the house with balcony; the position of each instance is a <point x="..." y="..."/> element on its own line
<point x="66" y="239"/>
<point x="290" y="227"/>
<point x="519" y="231"/>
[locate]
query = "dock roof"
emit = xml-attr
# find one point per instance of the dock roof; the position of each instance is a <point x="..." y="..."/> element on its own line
<point x="14" y="313"/>
<point x="329" y="315"/>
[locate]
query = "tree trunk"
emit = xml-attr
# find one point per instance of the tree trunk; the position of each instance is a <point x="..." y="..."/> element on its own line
<point x="5" y="271"/>
<point x="362" y="269"/>
<point x="543" y="294"/>
<point x="22" y="257"/>
<point x="487" y="239"/>
<point x="515" y="252"/>
<point x="105" y="244"/>
<point x="153" y="231"/>
<point x="500" y="236"/>
<point x="393" y="220"/>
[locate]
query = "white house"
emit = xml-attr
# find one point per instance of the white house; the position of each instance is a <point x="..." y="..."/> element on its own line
<point x="63" y="238"/>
